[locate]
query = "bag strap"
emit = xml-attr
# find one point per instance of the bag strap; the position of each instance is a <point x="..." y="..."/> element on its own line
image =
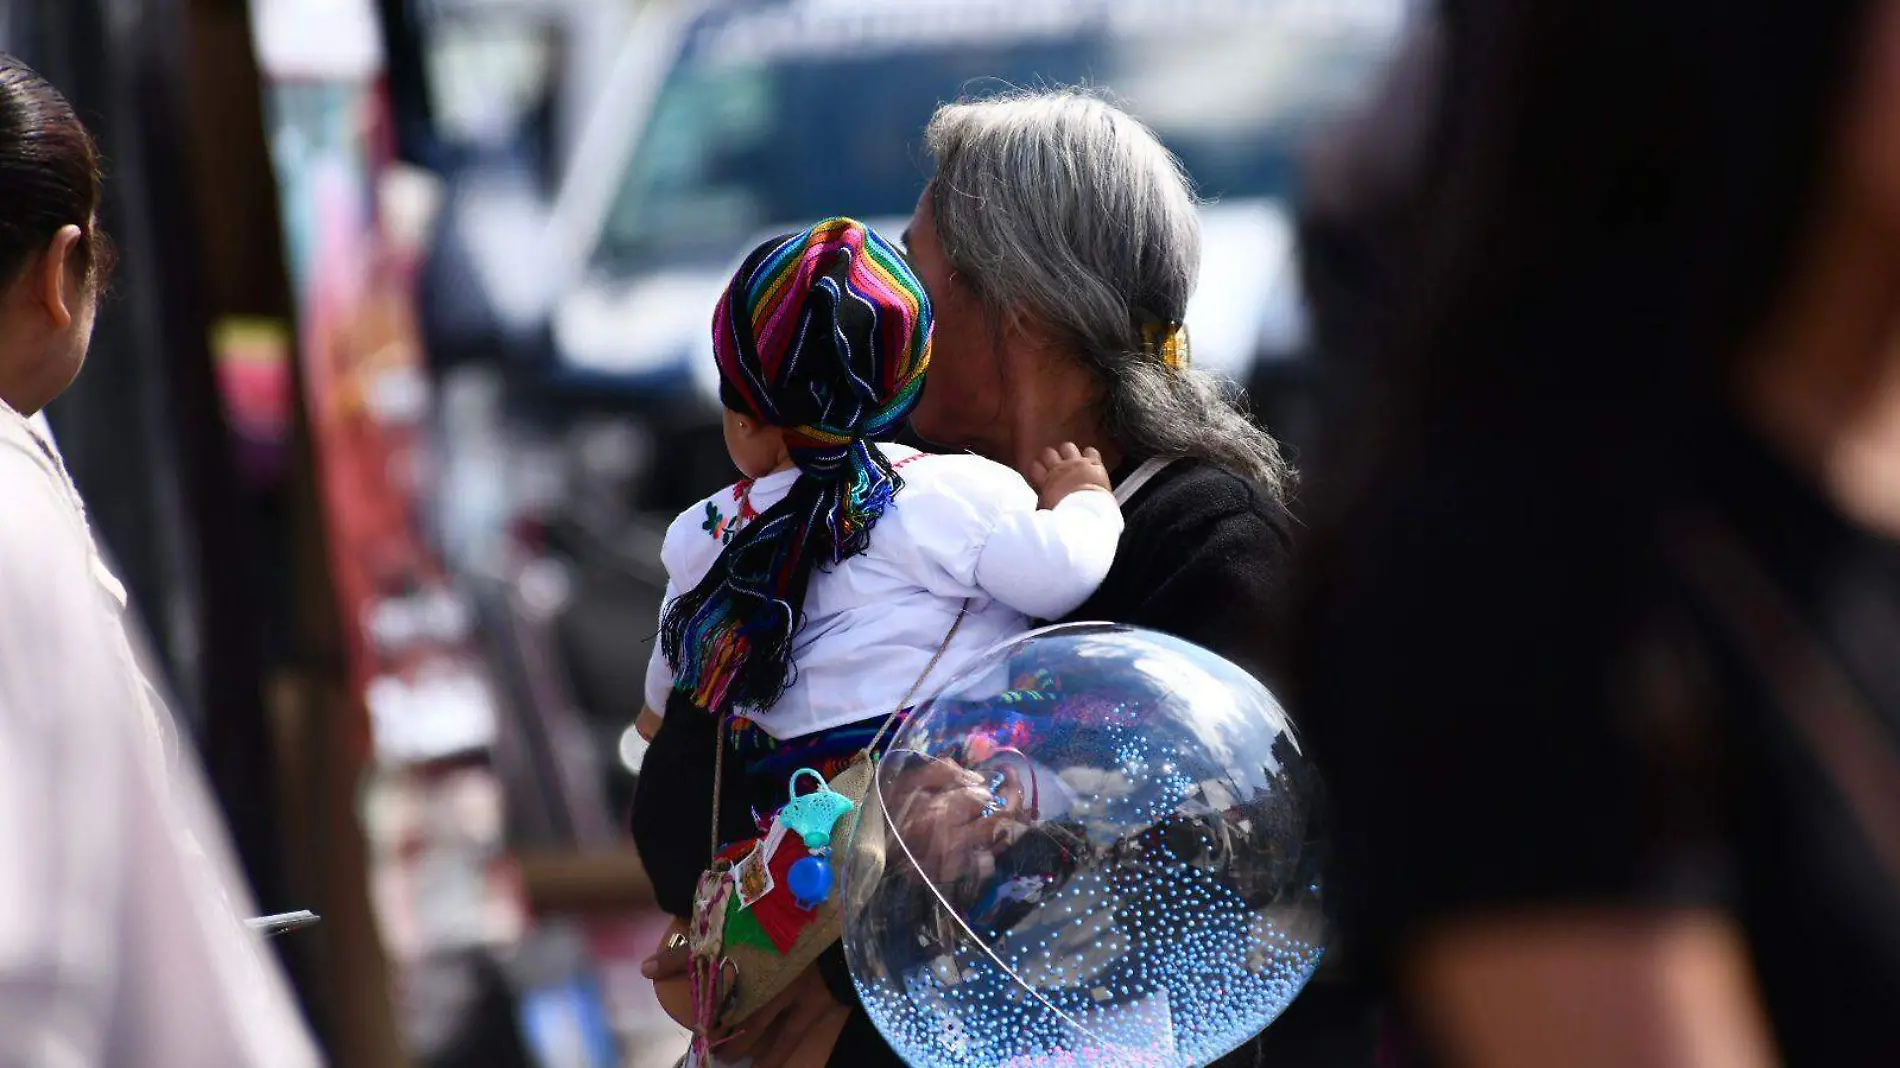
<point x="719" y="734"/>
<point x="1824" y="706"/>
<point x="1148" y="469"/>
<point x="963" y="611"/>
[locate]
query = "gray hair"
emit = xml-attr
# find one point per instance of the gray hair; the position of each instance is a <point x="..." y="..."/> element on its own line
<point x="1057" y="207"/>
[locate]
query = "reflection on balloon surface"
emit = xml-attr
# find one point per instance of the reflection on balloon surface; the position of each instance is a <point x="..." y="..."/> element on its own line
<point x="1115" y="860"/>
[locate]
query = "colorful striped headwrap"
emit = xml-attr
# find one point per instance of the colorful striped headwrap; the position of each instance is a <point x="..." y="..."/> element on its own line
<point x="826" y="335"/>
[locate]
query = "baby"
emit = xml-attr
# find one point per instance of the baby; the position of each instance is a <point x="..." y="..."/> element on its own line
<point x="805" y="602"/>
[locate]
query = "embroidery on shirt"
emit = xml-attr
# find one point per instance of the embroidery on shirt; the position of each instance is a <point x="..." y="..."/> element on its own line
<point x="721" y="527"/>
<point x="718" y="525"/>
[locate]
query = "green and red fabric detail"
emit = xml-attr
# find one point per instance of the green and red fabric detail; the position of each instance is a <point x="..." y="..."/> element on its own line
<point x="777" y="917"/>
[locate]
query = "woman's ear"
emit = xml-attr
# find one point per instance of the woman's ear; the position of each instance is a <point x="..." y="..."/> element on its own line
<point x="60" y="278"/>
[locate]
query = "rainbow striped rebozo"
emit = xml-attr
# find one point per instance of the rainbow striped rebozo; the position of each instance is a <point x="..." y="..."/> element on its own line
<point x="825" y="334"/>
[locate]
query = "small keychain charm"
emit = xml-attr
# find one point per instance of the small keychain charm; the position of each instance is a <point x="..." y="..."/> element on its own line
<point x="812" y="817"/>
<point x="810" y="881"/>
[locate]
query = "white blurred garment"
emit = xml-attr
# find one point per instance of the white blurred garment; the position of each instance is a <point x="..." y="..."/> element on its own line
<point x="962" y="531"/>
<point x="121" y="938"/>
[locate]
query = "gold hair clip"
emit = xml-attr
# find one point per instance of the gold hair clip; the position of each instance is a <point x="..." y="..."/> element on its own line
<point x="1164" y="340"/>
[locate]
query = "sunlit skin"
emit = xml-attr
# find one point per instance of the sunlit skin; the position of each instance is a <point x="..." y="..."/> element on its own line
<point x="1823" y="384"/>
<point x="46" y="318"/>
<point x="757" y="449"/>
<point x="1004" y="391"/>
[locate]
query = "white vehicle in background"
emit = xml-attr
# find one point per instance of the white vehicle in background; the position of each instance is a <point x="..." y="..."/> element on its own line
<point x="722" y="123"/>
<point x="728" y="122"/>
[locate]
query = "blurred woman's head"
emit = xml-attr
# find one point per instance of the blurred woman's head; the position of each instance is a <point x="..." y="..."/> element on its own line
<point x="1625" y="194"/>
<point x="53" y="257"/>
<point x="1635" y="214"/>
<point x="1058" y="235"/>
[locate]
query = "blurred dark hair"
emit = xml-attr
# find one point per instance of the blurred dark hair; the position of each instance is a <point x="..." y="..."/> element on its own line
<point x="1361" y="205"/>
<point x="1618" y="189"/>
<point x="1613" y="196"/>
<point x="49" y="173"/>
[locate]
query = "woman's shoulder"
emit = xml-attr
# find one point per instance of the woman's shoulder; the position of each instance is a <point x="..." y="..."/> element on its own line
<point x="27" y="454"/>
<point x="43" y="538"/>
<point x="1192" y="495"/>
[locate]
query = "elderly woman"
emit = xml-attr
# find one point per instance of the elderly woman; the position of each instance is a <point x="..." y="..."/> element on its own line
<point x="1059" y="243"/>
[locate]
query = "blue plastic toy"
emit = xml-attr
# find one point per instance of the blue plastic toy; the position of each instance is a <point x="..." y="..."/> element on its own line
<point x="810" y="881"/>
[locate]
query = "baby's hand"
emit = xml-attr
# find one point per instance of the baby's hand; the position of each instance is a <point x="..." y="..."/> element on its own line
<point x="1066" y="469"/>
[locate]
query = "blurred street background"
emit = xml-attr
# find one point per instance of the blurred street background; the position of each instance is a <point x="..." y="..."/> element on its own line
<point x="407" y="367"/>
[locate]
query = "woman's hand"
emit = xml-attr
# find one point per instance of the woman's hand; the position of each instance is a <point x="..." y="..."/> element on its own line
<point x="647" y="724"/>
<point x="795" y="1029"/>
<point x="667" y="968"/>
<point x="949" y="819"/>
<point x="1066" y="469"/>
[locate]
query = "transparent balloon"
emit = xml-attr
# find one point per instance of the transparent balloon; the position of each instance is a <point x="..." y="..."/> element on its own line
<point x="1096" y="846"/>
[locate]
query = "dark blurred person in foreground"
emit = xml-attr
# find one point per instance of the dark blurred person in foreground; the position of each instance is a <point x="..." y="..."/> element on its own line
<point x="120" y="938"/>
<point x="1363" y="196"/>
<point x="1604" y="632"/>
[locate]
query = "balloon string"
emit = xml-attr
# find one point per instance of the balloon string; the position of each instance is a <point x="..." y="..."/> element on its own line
<point x="957" y="919"/>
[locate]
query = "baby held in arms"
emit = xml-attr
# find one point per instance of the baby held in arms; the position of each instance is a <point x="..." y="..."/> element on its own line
<point x="806" y="601"/>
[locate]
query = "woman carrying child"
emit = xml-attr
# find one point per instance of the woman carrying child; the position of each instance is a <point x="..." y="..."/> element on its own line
<point x="1058" y="243"/>
<point x="808" y="602"/>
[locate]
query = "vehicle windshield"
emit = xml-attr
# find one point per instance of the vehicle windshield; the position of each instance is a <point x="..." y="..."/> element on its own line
<point x="744" y="138"/>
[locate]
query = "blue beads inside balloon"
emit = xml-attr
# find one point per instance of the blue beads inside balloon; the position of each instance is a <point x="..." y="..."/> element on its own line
<point x="810" y="881"/>
<point x="1115" y="862"/>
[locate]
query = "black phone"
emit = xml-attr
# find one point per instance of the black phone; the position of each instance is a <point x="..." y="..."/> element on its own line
<point x="274" y="925"/>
